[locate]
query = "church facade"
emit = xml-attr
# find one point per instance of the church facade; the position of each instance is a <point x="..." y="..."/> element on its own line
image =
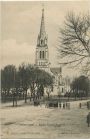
<point x="42" y="60"/>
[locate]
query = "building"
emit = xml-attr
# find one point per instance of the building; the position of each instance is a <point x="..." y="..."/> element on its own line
<point x="42" y="53"/>
<point x="59" y="85"/>
<point x="42" y="60"/>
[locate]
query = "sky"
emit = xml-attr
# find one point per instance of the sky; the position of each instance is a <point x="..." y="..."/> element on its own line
<point x="20" y="26"/>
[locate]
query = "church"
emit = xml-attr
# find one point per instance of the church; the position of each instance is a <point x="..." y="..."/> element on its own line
<point x="42" y="60"/>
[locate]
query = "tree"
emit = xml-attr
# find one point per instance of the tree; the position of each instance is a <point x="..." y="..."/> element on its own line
<point x="31" y="76"/>
<point x="81" y="86"/>
<point x="8" y="77"/>
<point x="42" y="77"/>
<point x="74" y="45"/>
<point x="24" y="76"/>
<point x="7" y="81"/>
<point x="16" y="87"/>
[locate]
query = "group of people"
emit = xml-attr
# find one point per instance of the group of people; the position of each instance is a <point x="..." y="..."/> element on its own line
<point x="64" y="105"/>
<point x="85" y="104"/>
<point x="60" y="105"/>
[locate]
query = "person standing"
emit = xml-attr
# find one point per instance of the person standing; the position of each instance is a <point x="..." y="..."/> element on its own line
<point x="66" y="105"/>
<point x="60" y="105"/>
<point x="80" y="105"/>
<point x="88" y="119"/>
<point x="63" y="105"/>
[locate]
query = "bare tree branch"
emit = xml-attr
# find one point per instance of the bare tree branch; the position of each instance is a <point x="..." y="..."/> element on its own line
<point x="74" y="40"/>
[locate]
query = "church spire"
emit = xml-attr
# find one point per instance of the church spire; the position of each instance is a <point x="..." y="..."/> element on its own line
<point x="42" y="27"/>
<point x="42" y="37"/>
<point x="42" y="54"/>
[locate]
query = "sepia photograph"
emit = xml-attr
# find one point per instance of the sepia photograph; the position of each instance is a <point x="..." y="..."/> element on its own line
<point x="45" y="70"/>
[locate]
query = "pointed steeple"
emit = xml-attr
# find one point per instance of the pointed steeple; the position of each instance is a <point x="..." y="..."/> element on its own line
<point x="42" y="37"/>
<point x="42" y="27"/>
<point x="42" y="54"/>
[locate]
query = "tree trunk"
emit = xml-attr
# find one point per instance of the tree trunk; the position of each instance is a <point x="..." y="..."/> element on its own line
<point x="75" y="98"/>
<point x="48" y="96"/>
<point x="16" y="96"/>
<point x="5" y="96"/>
<point x="13" y="99"/>
<point x="25" y="96"/>
<point x="86" y="95"/>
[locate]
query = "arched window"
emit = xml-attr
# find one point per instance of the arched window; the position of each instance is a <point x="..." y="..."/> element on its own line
<point x="41" y="42"/>
<point x="43" y="54"/>
<point x="62" y="90"/>
<point x="45" y="41"/>
<point x="40" y="54"/>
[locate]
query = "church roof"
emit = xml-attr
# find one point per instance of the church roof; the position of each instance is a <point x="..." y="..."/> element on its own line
<point x="56" y="70"/>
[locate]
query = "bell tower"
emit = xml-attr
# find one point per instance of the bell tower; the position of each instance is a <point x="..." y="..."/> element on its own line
<point x="42" y="54"/>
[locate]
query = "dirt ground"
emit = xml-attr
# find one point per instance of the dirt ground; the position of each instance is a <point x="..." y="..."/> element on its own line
<point x="27" y="122"/>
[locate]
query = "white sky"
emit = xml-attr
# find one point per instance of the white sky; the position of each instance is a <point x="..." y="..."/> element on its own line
<point x="21" y="24"/>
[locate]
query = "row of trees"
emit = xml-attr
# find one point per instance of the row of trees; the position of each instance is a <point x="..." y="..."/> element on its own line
<point x="81" y="87"/>
<point x="27" y="76"/>
<point x="23" y="77"/>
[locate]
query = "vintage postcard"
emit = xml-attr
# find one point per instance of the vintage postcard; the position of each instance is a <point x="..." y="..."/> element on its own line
<point x="45" y="70"/>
